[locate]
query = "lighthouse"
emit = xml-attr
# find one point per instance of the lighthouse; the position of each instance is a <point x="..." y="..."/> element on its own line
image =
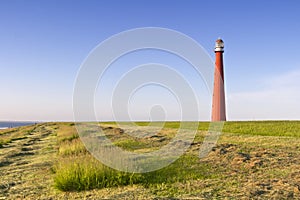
<point x="218" y="102"/>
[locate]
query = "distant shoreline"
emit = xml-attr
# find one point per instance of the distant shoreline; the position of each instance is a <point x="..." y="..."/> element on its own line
<point x="12" y="124"/>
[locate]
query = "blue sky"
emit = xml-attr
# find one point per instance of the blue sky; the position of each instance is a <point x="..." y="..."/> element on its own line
<point x="43" y="44"/>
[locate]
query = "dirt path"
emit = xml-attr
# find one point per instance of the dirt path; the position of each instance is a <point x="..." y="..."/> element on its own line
<point x="25" y="165"/>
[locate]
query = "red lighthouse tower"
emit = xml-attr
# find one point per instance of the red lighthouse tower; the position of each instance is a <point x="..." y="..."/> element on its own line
<point x="218" y="104"/>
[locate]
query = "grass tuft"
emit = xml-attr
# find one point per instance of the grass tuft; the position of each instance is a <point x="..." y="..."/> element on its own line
<point x="73" y="147"/>
<point x="85" y="173"/>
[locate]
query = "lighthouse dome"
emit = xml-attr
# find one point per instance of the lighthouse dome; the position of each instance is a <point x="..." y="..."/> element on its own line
<point x="219" y="45"/>
<point x="219" y="40"/>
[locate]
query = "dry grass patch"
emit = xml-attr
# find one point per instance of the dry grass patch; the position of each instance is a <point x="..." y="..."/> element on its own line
<point x="11" y="134"/>
<point x="73" y="147"/>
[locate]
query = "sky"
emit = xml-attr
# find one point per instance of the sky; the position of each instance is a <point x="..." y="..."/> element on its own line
<point x="44" y="43"/>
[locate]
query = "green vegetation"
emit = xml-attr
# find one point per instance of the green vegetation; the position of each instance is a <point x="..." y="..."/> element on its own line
<point x="13" y="134"/>
<point x="251" y="159"/>
<point x="77" y="170"/>
<point x="264" y="128"/>
<point x="73" y="147"/>
<point x="131" y="144"/>
<point x="85" y="172"/>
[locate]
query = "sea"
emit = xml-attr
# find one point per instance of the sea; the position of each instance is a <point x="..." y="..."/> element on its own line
<point x="11" y="124"/>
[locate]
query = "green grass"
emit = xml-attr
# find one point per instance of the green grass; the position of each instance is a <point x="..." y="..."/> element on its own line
<point x="131" y="144"/>
<point x="187" y="167"/>
<point x="77" y="170"/>
<point x="85" y="173"/>
<point x="168" y="124"/>
<point x="264" y="128"/>
<point x="273" y="144"/>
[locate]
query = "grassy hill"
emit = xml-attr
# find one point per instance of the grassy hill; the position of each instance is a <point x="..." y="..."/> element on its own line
<point x="252" y="160"/>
